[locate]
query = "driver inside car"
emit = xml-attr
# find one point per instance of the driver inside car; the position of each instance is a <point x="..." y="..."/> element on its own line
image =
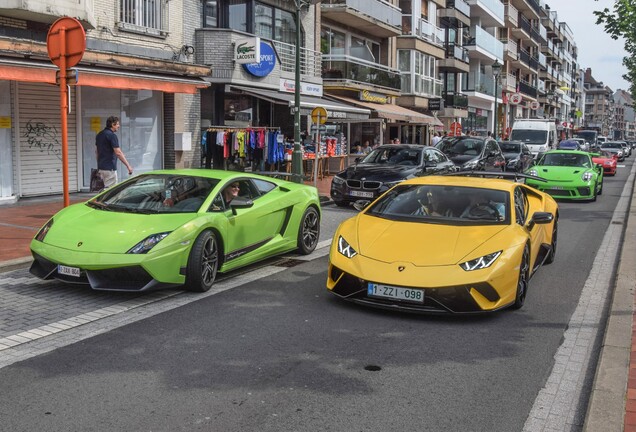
<point x="482" y="207"/>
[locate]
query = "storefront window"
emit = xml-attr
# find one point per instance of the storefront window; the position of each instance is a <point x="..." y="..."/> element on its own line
<point x="238" y="110"/>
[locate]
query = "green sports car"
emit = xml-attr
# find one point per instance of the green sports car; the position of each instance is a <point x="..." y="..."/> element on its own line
<point x="568" y="174"/>
<point x="171" y="228"/>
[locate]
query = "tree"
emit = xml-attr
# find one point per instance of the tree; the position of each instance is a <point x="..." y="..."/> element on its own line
<point x="621" y="23"/>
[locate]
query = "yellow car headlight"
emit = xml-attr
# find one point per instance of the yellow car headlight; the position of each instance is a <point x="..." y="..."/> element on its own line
<point x="481" y="262"/>
<point x="345" y="248"/>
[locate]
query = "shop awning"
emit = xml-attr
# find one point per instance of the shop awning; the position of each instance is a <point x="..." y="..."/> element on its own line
<point x="394" y="112"/>
<point x="335" y="110"/>
<point x="15" y="70"/>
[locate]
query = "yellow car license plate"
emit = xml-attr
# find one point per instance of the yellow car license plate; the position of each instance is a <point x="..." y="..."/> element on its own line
<point x="395" y="293"/>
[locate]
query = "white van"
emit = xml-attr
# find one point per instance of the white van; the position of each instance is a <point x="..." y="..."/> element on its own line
<point x="540" y="135"/>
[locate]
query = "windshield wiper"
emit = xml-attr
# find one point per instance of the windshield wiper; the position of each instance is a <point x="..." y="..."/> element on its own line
<point x="98" y="205"/>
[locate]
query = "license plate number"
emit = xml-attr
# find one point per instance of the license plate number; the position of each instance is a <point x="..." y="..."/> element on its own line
<point x="396" y="293"/>
<point x="361" y="194"/>
<point x="69" y="271"/>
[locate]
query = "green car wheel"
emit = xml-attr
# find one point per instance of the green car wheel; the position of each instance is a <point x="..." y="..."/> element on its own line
<point x="203" y="263"/>
<point x="309" y="231"/>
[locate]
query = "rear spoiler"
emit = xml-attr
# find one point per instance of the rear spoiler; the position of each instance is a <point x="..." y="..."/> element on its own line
<point x="492" y="174"/>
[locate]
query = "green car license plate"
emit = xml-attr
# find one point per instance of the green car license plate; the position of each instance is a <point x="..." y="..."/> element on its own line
<point x="395" y="293"/>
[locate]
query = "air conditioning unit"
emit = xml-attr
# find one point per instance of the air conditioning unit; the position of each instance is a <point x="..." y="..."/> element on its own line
<point x="183" y="141"/>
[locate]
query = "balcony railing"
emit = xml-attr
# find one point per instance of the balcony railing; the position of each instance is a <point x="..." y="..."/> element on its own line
<point x="534" y="35"/>
<point x="310" y="60"/>
<point x="525" y="25"/>
<point x="534" y="63"/>
<point x="459" y="5"/>
<point x="380" y="10"/>
<point x="352" y="69"/>
<point x="542" y="60"/>
<point x="524" y="56"/>
<point x="541" y="86"/>
<point x="496" y="7"/>
<point x="456" y="52"/>
<point x="534" y="4"/>
<point x="478" y="82"/>
<point x="512" y="13"/>
<point x="455" y="100"/>
<point x="144" y="17"/>
<point x="510" y="47"/>
<point x="430" y="32"/>
<point x="509" y="80"/>
<point x="527" y="89"/>
<point x="486" y="41"/>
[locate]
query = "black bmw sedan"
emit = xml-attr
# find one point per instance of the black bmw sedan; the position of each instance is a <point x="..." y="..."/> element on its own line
<point x="472" y="153"/>
<point x="518" y="156"/>
<point x="384" y="167"/>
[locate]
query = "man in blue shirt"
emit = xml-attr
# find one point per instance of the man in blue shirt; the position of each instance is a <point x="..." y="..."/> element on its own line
<point x="107" y="151"/>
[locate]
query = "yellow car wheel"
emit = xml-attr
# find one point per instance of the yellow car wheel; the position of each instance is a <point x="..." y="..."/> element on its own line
<point x="522" y="281"/>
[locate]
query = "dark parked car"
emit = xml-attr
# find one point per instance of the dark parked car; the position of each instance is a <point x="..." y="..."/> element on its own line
<point x="518" y="156"/>
<point x="471" y="153"/>
<point x="384" y="167"/>
<point x="569" y="145"/>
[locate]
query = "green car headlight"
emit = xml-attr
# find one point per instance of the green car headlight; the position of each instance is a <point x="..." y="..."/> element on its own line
<point x="44" y="230"/>
<point x="587" y="176"/>
<point x="481" y="262"/>
<point x="345" y="248"/>
<point x="148" y="243"/>
<point x="338" y="180"/>
<point x="533" y="172"/>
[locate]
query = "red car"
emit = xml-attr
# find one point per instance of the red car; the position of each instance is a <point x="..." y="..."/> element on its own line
<point x="608" y="160"/>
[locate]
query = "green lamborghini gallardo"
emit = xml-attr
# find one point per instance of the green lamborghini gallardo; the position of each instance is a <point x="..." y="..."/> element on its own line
<point x="569" y="175"/>
<point x="173" y="228"/>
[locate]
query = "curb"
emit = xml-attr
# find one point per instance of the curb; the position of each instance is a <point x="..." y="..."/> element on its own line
<point x="15" y="264"/>
<point x="606" y="407"/>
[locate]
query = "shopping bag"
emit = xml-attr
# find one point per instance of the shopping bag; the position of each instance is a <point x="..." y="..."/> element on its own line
<point x="97" y="183"/>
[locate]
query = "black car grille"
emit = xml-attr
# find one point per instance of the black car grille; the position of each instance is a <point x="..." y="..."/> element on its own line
<point x="558" y="192"/>
<point x="358" y="184"/>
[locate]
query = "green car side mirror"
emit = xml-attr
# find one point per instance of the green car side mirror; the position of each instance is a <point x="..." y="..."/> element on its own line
<point x="240" y="203"/>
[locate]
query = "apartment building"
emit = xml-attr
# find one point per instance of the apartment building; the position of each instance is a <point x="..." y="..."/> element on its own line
<point x="624" y="128"/>
<point x="138" y="65"/>
<point x="599" y="105"/>
<point x="484" y="49"/>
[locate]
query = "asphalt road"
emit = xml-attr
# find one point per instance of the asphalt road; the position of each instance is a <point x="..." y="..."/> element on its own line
<point x="282" y="354"/>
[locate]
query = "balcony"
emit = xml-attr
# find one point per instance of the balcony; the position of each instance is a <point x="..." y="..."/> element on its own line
<point x="310" y="60"/>
<point x="527" y="89"/>
<point x="479" y="83"/>
<point x="455" y="100"/>
<point x="344" y="69"/>
<point x="524" y="30"/>
<point x="484" y="46"/>
<point x="490" y="12"/>
<point x="43" y="11"/>
<point x="533" y="63"/>
<point x="512" y="15"/>
<point x="456" y="59"/>
<point x="542" y="60"/>
<point x="459" y="5"/>
<point x="511" y="50"/>
<point x="430" y="33"/>
<point x="509" y="83"/>
<point x="375" y="17"/>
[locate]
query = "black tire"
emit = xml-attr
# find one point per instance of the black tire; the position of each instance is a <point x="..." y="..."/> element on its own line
<point x="595" y="193"/>
<point x="308" y="231"/>
<point x="600" y="190"/>
<point x="203" y="263"/>
<point x="522" y="281"/>
<point x="552" y="255"/>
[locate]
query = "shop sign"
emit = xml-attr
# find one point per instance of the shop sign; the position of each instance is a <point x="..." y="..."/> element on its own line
<point x="5" y="122"/>
<point x="247" y="50"/>
<point x="434" y="104"/>
<point x="266" y="63"/>
<point x="309" y="89"/>
<point x="368" y="96"/>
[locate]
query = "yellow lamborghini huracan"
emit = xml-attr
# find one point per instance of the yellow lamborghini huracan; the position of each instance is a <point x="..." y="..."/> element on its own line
<point x="457" y="244"/>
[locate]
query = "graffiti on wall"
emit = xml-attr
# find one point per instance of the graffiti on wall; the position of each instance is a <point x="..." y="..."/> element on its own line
<point x="42" y="138"/>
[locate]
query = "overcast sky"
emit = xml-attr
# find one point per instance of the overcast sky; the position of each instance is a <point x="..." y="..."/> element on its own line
<point x="596" y="49"/>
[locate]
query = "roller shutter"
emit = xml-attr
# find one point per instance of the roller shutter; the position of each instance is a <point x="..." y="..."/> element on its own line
<point x="40" y="142"/>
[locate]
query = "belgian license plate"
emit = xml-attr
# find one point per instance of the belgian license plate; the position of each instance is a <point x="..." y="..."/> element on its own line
<point x="361" y="194"/>
<point x="68" y="271"/>
<point x="395" y="293"/>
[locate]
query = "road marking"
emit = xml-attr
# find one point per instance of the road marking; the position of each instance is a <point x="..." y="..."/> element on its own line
<point x="556" y="407"/>
<point x="45" y="338"/>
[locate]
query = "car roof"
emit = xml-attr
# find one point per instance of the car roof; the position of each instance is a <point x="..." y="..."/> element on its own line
<point x="403" y="146"/>
<point x="463" y="181"/>
<point x="568" y="152"/>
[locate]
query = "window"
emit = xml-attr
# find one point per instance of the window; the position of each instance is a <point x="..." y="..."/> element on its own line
<point x="142" y="13"/>
<point x="237" y="15"/>
<point x="211" y="13"/>
<point x="422" y="73"/>
<point x="264" y="21"/>
<point x="332" y="41"/>
<point x="285" y="26"/>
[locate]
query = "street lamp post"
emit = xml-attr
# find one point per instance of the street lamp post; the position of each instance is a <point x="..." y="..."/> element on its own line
<point x="297" y="154"/>
<point x="496" y="71"/>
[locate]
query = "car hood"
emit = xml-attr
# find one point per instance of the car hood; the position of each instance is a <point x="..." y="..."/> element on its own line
<point x="379" y="172"/>
<point x="422" y="244"/>
<point x="80" y="227"/>
<point x="560" y="172"/>
<point x="462" y="159"/>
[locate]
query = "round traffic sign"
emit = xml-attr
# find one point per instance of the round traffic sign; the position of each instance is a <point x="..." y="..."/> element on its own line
<point x="66" y="38"/>
<point x="534" y="105"/>
<point x="319" y="115"/>
<point x="516" y="98"/>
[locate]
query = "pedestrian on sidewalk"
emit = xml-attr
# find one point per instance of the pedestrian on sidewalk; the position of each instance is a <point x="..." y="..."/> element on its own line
<point x="107" y="151"/>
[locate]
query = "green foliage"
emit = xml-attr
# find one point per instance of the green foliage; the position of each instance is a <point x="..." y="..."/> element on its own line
<point x="621" y="23"/>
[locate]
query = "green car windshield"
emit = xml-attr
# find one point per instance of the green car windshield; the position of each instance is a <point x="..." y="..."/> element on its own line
<point x="566" y="159"/>
<point x="453" y="205"/>
<point x="156" y="193"/>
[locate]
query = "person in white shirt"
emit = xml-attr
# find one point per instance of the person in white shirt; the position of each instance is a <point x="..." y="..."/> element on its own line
<point x="437" y="138"/>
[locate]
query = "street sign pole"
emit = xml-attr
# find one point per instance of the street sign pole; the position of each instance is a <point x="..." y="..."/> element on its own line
<point x="64" y="116"/>
<point x="317" y="151"/>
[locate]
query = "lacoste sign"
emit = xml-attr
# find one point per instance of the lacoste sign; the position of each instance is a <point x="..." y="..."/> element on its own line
<point x="247" y="50"/>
